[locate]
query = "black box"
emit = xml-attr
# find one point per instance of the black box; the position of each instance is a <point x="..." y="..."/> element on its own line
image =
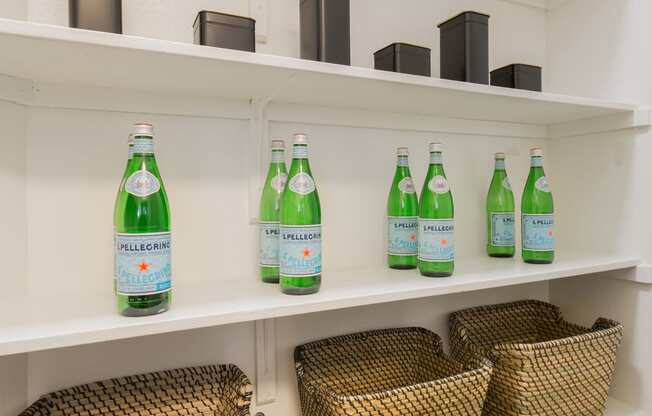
<point x="521" y="76"/>
<point x="404" y="58"/>
<point x="225" y="31"/>
<point x="325" y="31"/>
<point x="102" y="15"/>
<point x="465" y="48"/>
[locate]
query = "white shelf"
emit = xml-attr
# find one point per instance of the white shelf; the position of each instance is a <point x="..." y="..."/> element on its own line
<point x="52" y="54"/>
<point x="36" y="323"/>
<point x="618" y="408"/>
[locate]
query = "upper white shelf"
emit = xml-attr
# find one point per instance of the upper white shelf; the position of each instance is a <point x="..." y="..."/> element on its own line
<point x="44" y="53"/>
<point x="54" y="321"/>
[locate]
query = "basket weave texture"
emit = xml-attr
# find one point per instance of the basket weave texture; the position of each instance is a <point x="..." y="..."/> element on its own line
<point x="388" y="372"/>
<point x="543" y="365"/>
<point x="219" y="390"/>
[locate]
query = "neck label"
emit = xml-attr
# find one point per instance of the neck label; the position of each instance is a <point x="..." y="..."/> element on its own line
<point x="500" y="164"/>
<point x="300" y="250"/>
<point x="436" y="240"/>
<point x="439" y="185"/>
<point x="143" y="145"/>
<point x="143" y="263"/>
<point x="302" y="184"/>
<point x="402" y="236"/>
<point x="142" y="183"/>
<point x="406" y="185"/>
<point x="435" y="158"/>
<point x="536" y="161"/>
<point x="300" y="152"/>
<point x="278" y="156"/>
<point x="402" y="161"/>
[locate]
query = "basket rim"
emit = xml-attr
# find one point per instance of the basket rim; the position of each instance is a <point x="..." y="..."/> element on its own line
<point x="595" y="332"/>
<point x="485" y="365"/>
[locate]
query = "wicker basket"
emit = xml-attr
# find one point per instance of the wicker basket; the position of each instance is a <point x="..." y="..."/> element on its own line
<point x="211" y="390"/>
<point x="387" y="372"/>
<point x="543" y="365"/>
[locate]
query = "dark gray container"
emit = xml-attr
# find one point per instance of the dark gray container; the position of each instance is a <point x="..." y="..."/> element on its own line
<point x="225" y="31"/>
<point x="325" y="31"/>
<point x="465" y="48"/>
<point x="520" y="76"/>
<point x="404" y="58"/>
<point x="102" y="15"/>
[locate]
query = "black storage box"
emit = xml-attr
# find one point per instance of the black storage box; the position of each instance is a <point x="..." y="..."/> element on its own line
<point x="102" y="15"/>
<point x="404" y="58"/>
<point x="225" y="31"/>
<point x="521" y="76"/>
<point x="465" y="48"/>
<point x="325" y="31"/>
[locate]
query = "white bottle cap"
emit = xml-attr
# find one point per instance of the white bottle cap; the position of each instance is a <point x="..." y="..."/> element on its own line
<point x="300" y="138"/>
<point x="499" y="155"/>
<point x="278" y="144"/>
<point x="435" y="147"/>
<point x="143" y="129"/>
<point x="402" y="151"/>
<point x="536" y="152"/>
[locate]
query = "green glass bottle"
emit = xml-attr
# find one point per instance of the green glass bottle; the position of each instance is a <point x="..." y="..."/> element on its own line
<point x="537" y="215"/>
<point x="436" y="220"/>
<point x="270" y="201"/>
<point x="402" y="216"/>
<point x="500" y="212"/>
<point x="142" y="241"/>
<point x="300" y="242"/>
<point x="118" y="200"/>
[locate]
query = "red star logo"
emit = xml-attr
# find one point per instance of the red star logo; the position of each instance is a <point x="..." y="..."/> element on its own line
<point x="413" y="237"/>
<point x="549" y="233"/>
<point x="306" y="252"/>
<point x="143" y="267"/>
<point x="444" y="242"/>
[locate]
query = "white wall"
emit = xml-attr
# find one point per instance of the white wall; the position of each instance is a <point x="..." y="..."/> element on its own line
<point x="601" y="49"/>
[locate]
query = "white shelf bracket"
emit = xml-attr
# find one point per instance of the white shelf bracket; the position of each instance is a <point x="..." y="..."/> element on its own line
<point x="641" y="274"/>
<point x="641" y="117"/>
<point x="265" y="362"/>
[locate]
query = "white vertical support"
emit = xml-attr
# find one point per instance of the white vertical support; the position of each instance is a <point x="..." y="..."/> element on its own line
<point x="265" y="361"/>
<point x="256" y="146"/>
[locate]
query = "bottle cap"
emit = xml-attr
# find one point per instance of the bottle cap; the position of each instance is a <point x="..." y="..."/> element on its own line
<point x="143" y="129"/>
<point x="499" y="155"/>
<point x="435" y="147"/>
<point x="300" y="138"/>
<point x="536" y="152"/>
<point x="402" y="151"/>
<point x="278" y="144"/>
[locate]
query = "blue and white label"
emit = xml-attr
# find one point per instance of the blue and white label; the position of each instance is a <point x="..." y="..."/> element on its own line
<point x="143" y="263"/>
<point x="142" y="183"/>
<point x="502" y="229"/>
<point x="500" y="164"/>
<point x="269" y="233"/>
<point x="402" y="236"/>
<point x="436" y="240"/>
<point x="402" y="161"/>
<point x="435" y="158"/>
<point x="143" y="145"/>
<point x="538" y="232"/>
<point x="300" y="250"/>
<point x="536" y="161"/>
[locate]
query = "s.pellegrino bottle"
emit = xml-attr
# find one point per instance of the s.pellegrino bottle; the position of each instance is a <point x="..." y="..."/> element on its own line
<point x="402" y="216"/>
<point x="500" y="212"/>
<point x="300" y="242"/>
<point x="537" y="215"/>
<point x="118" y="199"/>
<point x="436" y="220"/>
<point x="270" y="202"/>
<point x="142" y="241"/>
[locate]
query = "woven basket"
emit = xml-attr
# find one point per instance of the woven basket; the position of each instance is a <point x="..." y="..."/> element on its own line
<point x="543" y="365"/>
<point x="211" y="390"/>
<point x="387" y="372"/>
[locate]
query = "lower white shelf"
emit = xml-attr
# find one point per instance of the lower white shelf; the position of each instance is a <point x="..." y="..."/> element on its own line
<point x="618" y="408"/>
<point x="35" y="323"/>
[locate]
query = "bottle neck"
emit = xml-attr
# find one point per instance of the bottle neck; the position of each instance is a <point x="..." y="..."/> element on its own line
<point x="500" y="164"/>
<point x="402" y="162"/>
<point x="435" y="158"/>
<point x="536" y="162"/>
<point x="300" y="151"/>
<point x="143" y="146"/>
<point x="278" y="156"/>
